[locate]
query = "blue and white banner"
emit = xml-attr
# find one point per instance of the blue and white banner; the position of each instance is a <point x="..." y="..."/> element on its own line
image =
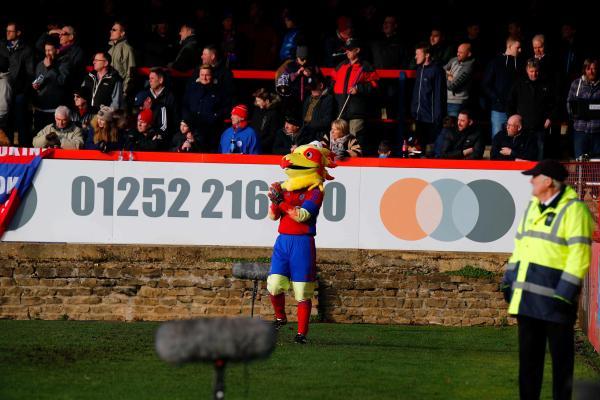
<point x="17" y="169"/>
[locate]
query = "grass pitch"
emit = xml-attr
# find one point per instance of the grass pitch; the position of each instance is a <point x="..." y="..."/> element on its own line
<point x="100" y="360"/>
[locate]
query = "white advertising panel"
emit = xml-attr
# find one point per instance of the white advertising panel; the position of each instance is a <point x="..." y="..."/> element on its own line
<point x="226" y="205"/>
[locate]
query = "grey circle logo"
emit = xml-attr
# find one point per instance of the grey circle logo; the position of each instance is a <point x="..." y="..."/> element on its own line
<point x="482" y="210"/>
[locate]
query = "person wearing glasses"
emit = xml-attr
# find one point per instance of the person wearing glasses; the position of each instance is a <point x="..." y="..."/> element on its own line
<point x="513" y="143"/>
<point x="105" y="84"/>
<point x="69" y="54"/>
<point x="122" y="56"/>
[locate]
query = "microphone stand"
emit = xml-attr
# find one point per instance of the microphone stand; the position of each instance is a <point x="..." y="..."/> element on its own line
<point x="254" y="291"/>
<point x="219" y="382"/>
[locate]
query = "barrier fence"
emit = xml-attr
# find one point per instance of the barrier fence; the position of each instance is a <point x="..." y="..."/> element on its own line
<point x="584" y="177"/>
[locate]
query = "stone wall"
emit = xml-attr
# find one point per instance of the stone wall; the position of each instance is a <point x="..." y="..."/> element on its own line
<point x="131" y="283"/>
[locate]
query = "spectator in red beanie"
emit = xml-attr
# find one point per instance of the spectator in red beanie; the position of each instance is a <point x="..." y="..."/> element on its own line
<point x="144" y="137"/>
<point x="240" y="138"/>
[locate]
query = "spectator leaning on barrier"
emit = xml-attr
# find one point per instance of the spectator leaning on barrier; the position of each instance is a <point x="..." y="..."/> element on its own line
<point x="340" y="141"/>
<point x="186" y="140"/>
<point x="240" y="138"/>
<point x="103" y="133"/>
<point x="583" y="104"/>
<point x="465" y="142"/>
<point x="62" y="133"/>
<point x="291" y="136"/>
<point x="512" y="143"/>
<point x="144" y="137"/>
<point x="543" y="278"/>
<point x="81" y="114"/>
<point x="104" y="83"/>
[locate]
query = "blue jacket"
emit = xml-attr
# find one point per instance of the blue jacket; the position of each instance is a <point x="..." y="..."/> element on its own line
<point x="244" y="141"/>
<point x="288" y="45"/>
<point x="203" y="104"/>
<point x="429" y="94"/>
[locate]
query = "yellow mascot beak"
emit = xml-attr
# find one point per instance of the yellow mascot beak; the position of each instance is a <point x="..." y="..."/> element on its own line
<point x="305" y="167"/>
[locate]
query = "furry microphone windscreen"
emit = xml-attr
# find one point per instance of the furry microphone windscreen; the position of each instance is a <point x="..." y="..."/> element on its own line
<point x="211" y="339"/>
<point x="254" y="271"/>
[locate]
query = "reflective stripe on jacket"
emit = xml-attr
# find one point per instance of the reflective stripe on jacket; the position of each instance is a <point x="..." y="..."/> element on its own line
<point x="551" y="257"/>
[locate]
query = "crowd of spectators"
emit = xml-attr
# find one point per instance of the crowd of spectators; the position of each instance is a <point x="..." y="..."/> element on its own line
<point x="527" y="96"/>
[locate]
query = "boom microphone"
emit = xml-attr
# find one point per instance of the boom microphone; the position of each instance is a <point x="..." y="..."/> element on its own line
<point x="215" y="339"/>
<point x="253" y="271"/>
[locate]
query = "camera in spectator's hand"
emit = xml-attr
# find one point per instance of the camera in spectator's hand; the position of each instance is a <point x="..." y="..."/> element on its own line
<point x="102" y="146"/>
<point x="52" y="140"/>
<point x="275" y="193"/>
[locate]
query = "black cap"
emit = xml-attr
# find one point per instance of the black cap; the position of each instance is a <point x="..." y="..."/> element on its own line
<point x="550" y="168"/>
<point x="352" y="43"/>
<point x="84" y="92"/>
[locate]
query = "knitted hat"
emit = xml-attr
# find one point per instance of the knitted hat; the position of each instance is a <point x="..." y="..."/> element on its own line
<point x="105" y="113"/>
<point x="146" y="116"/>
<point x="241" y="111"/>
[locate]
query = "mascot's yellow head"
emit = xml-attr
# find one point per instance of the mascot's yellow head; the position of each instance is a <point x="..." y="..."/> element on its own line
<point x="305" y="167"/>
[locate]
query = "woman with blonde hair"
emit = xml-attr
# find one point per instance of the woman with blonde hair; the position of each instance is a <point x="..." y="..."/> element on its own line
<point x="340" y="141"/>
<point x="103" y="133"/>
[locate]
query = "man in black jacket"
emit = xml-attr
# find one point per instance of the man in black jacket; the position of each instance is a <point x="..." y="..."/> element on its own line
<point x="21" y="70"/>
<point x="512" y="143"/>
<point x="535" y="100"/>
<point x="105" y="84"/>
<point x="188" y="56"/>
<point x="464" y="142"/>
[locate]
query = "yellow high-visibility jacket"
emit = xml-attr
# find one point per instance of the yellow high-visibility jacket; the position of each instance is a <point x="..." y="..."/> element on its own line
<point x="552" y="254"/>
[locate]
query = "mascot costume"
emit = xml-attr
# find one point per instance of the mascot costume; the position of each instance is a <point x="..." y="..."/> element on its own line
<point x="296" y="203"/>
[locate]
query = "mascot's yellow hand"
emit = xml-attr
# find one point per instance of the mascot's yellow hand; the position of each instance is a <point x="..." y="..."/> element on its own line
<point x="298" y="214"/>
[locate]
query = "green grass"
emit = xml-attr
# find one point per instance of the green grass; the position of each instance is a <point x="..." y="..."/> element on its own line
<point x="99" y="360"/>
<point x="469" y="271"/>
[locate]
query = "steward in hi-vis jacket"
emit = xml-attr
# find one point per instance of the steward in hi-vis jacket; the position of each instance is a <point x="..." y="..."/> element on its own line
<point x="543" y="278"/>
